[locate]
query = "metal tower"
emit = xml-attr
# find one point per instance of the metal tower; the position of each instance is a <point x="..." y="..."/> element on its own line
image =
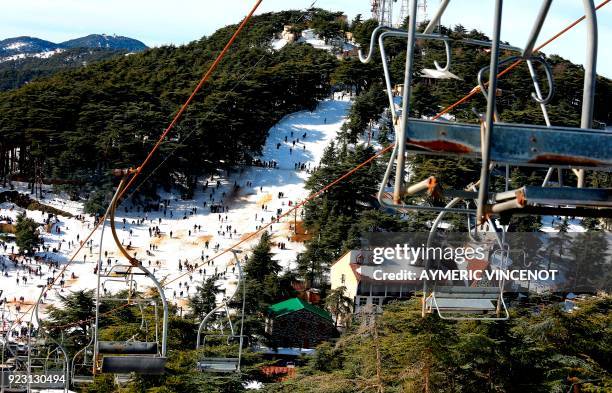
<point x="404" y="10"/>
<point x="382" y="11"/>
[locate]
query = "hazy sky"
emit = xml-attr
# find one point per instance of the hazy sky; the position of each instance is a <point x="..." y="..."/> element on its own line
<point x="157" y="22"/>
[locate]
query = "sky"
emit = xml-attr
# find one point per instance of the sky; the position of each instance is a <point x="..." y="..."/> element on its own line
<point x="158" y="22"/>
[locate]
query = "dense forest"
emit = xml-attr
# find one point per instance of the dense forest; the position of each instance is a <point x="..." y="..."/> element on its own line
<point x="542" y="348"/>
<point x="72" y="128"/>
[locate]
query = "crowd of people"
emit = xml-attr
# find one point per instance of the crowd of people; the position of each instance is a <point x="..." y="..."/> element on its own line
<point x="163" y="219"/>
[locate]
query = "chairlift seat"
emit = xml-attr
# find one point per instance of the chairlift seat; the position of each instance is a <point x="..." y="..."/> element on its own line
<point x="220" y="365"/>
<point x="460" y="302"/>
<point x="462" y="292"/>
<point x="582" y="202"/>
<point x="465" y="305"/>
<point x="145" y="365"/>
<point x="82" y="379"/>
<point x="515" y="144"/>
<point x="122" y="271"/>
<point x="127" y="347"/>
<point x="567" y="196"/>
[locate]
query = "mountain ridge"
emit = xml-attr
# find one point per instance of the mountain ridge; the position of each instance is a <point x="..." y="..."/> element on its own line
<point x="26" y="46"/>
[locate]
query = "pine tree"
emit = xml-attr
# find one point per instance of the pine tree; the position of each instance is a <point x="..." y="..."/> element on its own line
<point x="261" y="264"/>
<point x="26" y="234"/>
<point x="76" y="310"/>
<point x="204" y="300"/>
<point x="262" y="285"/>
<point x="338" y="304"/>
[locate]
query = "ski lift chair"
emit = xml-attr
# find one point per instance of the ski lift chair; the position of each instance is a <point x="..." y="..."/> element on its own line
<point x="122" y="271"/>
<point x="482" y="300"/>
<point x="221" y="364"/>
<point x="82" y="371"/>
<point x="497" y="143"/>
<point x="224" y="365"/>
<point x="131" y="356"/>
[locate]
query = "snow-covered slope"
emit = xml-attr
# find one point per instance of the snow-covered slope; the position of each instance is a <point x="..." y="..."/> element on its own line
<point x="191" y="223"/>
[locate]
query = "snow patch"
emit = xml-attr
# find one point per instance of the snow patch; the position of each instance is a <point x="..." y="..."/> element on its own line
<point x="278" y="44"/>
<point x="16" y="45"/>
<point x="47" y="54"/>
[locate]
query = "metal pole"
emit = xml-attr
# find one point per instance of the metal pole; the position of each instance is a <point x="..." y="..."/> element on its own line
<point x="538" y="93"/>
<point x="436" y="18"/>
<point x="483" y="190"/>
<point x="3" y="348"/>
<point x="162" y="295"/>
<point x="590" y="68"/>
<point x="138" y="264"/>
<point x="97" y="310"/>
<point x="537" y="27"/>
<point x="243" y="306"/>
<point x="401" y="137"/>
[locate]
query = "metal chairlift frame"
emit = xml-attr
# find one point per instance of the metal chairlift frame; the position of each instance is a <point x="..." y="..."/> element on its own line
<point x="224" y="305"/>
<point x="483" y="195"/>
<point x="128" y="278"/>
<point x="477" y="295"/>
<point x="79" y="379"/>
<point x="59" y="348"/>
<point x="429" y="301"/>
<point x="144" y="326"/>
<point x="483" y="207"/>
<point x="128" y="362"/>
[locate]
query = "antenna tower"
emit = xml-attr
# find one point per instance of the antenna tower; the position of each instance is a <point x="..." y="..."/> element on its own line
<point x="405" y="10"/>
<point x="382" y="11"/>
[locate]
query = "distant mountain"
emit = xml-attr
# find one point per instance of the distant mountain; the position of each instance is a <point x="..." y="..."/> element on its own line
<point x="25" y="45"/>
<point x="105" y="41"/>
<point x="20" y="47"/>
<point x="23" y="59"/>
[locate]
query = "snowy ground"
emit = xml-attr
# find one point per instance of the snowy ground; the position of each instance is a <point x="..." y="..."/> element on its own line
<point x="256" y="203"/>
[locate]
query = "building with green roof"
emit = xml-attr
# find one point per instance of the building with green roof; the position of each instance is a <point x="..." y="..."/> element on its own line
<point x="298" y="324"/>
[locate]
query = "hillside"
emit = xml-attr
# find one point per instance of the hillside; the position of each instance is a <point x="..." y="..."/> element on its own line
<point x="108" y="109"/>
<point x="24" y="45"/>
<point x="105" y="41"/>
